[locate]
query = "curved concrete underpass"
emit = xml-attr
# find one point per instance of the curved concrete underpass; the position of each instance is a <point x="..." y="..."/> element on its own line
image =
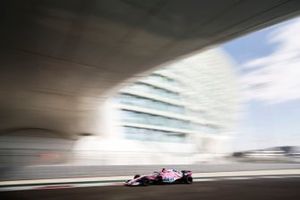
<point x="61" y="60"/>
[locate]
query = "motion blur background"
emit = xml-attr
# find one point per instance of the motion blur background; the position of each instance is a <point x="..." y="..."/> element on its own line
<point x="238" y="101"/>
<point x="234" y="102"/>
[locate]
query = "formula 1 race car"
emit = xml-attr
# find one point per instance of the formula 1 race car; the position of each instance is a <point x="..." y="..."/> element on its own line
<point x="165" y="176"/>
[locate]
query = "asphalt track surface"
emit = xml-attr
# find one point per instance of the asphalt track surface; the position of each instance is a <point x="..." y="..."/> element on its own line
<point x="252" y="189"/>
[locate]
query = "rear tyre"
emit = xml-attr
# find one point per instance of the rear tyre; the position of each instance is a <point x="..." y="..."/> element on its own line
<point x="159" y="180"/>
<point x="188" y="180"/>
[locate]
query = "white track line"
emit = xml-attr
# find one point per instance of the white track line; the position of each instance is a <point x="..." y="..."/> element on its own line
<point x="118" y="180"/>
<point x="250" y="173"/>
<point x="77" y="185"/>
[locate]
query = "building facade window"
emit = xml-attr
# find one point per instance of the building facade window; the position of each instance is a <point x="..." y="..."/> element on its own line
<point x="152" y="135"/>
<point x="146" y="88"/>
<point x="129" y="99"/>
<point x="156" y="120"/>
<point x="163" y="79"/>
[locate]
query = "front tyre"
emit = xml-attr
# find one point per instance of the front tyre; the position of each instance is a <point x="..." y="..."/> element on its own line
<point x="145" y="182"/>
<point x="136" y="176"/>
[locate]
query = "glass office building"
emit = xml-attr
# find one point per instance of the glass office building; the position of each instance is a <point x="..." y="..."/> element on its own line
<point x="183" y="113"/>
<point x="193" y="101"/>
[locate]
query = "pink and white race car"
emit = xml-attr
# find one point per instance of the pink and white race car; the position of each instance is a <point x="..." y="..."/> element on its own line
<point x="165" y="176"/>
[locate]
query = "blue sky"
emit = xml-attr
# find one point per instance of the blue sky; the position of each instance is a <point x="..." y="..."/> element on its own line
<point x="268" y="63"/>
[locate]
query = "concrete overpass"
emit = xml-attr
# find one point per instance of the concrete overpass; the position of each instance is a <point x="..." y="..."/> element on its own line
<point x="60" y="60"/>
